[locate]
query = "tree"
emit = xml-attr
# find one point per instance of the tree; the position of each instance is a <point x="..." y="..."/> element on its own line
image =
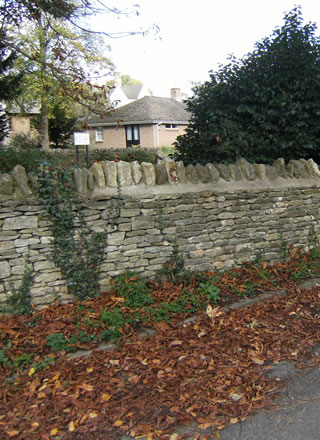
<point x="62" y="56"/>
<point x="9" y="83"/>
<point x="262" y="107"/>
<point x="60" y="62"/>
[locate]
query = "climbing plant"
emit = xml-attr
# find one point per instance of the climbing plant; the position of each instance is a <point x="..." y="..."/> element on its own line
<point x="77" y="249"/>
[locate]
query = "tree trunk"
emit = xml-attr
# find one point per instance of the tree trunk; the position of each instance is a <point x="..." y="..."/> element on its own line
<point x="44" y="125"/>
<point x="44" y="112"/>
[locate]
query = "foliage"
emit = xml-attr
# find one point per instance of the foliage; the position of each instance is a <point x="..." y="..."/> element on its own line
<point x="173" y="270"/>
<point x="263" y="106"/>
<point x="134" y="289"/>
<point x="113" y="320"/>
<point x="209" y="290"/>
<point x="9" y="82"/>
<point x="77" y="250"/>
<point x="60" y="62"/>
<point x="10" y="157"/>
<point x="22" y="141"/>
<point x="19" y="301"/>
<point x="62" y="122"/>
<point x="127" y="155"/>
<point x="31" y="159"/>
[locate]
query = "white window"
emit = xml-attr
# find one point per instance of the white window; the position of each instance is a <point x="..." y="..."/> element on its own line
<point x="171" y="126"/>
<point x="99" y="134"/>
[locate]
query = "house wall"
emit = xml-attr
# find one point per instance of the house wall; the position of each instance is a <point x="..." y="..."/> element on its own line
<point x="148" y="136"/>
<point x="113" y="137"/>
<point x="116" y="137"/>
<point x="168" y="135"/>
<point x="20" y="125"/>
<point x="218" y="217"/>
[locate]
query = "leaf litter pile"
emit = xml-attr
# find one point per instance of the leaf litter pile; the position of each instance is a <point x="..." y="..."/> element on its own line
<point x="209" y="371"/>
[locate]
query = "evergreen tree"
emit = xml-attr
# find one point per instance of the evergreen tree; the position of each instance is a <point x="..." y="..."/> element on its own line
<point x="262" y="107"/>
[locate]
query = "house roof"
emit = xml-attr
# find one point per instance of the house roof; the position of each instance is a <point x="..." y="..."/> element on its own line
<point x="147" y="110"/>
<point x="132" y="91"/>
<point x="27" y="109"/>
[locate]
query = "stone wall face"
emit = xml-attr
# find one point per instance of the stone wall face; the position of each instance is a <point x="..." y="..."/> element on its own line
<point x="216" y="224"/>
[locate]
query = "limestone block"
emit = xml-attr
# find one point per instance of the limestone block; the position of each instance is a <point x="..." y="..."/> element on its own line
<point x="203" y="174"/>
<point x="26" y="241"/>
<point x="33" y="180"/>
<point x="136" y="172"/>
<point x="247" y="169"/>
<point x="260" y="170"/>
<point x="6" y="245"/>
<point x="124" y="174"/>
<point x="5" y="269"/>
<point x="90" y="180"/>
<point x="116" y="238"/>
<point x="313" y="168"/>
<point x="297" y="169"/>
<point x="6" y="184"/>
<point x="42" y="265"/>
<point x="181" y="172"/>
<point x="280" y="166"/>
<point x="272" y="173"/>
<point x="98" y="175"/>
<point x="224" y="171"/>
<point x="142" y="222"/>
<point x="47" y="277"/>
<point x="166" y="172"/>
<point x="234" y="172"/>
<point x="191" y="174"/>
<point x="148" y="174"/>
<point x="21" y="222"/>
<point x="110" y="173"/>
<point x="214" y="174"/>
<point x="21" y="179"/>
<point x="80" y="178"/>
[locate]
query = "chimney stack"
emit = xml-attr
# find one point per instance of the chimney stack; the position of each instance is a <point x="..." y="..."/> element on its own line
<point x="176" y="94"/>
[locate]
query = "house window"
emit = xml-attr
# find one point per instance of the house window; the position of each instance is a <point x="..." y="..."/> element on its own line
<point x="132" y="135"/>
<point x="171" y="126"/>
<point x="99" y="134"/>
<point x="31" y="125"/>
<point x="10" y="124"/>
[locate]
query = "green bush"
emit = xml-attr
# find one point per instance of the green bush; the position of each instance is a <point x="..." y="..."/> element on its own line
<point x="127" y="155"/>
<point x="30" y="159"/>
<point x="24" y="142"/>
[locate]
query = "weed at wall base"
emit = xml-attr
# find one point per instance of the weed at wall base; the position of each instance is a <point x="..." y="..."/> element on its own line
<point x="19" y="302"/>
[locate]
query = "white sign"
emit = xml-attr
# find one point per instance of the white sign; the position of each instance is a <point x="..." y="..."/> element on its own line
<point x="81" y="138"/>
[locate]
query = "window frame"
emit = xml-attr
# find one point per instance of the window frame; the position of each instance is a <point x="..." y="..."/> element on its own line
<point x="99" y="134"/>
<point x="132" y="135"/>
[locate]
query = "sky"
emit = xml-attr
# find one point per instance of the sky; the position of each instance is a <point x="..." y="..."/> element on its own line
<point x="194" y="36"/>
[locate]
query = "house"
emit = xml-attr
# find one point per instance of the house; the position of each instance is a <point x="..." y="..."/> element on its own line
<point x="20" y="120"/>
<point x="122" y="95"/>
<point x="150" y="122"/>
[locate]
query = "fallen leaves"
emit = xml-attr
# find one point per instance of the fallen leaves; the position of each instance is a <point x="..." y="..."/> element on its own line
<point x="210" y="371"/>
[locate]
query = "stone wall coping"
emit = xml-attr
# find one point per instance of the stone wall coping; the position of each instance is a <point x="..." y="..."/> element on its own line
<point x="169" y="177"/>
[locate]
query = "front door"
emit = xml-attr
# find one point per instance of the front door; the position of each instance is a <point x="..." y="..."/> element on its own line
<point x="132" y="135"/>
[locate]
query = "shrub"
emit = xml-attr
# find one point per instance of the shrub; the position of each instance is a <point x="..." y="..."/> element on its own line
<point x="29" y="159"/>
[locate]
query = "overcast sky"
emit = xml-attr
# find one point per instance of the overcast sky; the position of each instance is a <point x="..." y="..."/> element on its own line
<point x="194" y="36"/>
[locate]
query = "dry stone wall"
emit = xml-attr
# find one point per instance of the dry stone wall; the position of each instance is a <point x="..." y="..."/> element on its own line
<point x="218" y="215"/>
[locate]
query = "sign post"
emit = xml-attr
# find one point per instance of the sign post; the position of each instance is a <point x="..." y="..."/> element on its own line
<point x="82" y="138"/>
